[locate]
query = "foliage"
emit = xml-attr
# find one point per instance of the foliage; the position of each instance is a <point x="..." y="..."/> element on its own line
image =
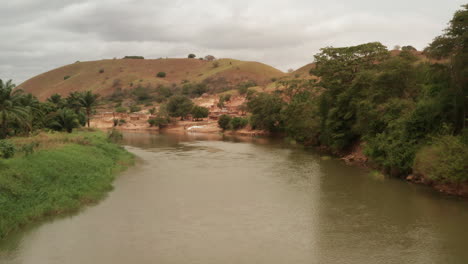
<point x="135" y="108"/>
<point x="12" y="111"/>
<point x="159" y="121"/>
<point x="191" y="56"/>
<point x="58" y="179"/>
<point x="161" y="74"/>
<point x="244" y="86"/>
<point x="7" y="149"/>
<point x="64" y="119"/>
<point x="199" y="112"/>
<point x="121" y="109"/>
<point x="179" y="106"/>
<point x="210" y="57"/>
<point x="88" y="101"/>
<point x="443" y="160"/>
<point x="266" y="112"/>
<point x="114" y="136"/>
<point x="224" y="121"/>
<point x="238" y="123"/>
<point x="66" y="77"/>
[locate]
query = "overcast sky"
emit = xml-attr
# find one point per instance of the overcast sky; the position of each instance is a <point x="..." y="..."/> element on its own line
<point x="39" y="35"/>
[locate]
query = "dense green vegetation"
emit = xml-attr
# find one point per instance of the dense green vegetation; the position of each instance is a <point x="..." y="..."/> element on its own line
<point x="22" y="114"/>
<point x="62" y="172"/>
<point x="398" y="106"/>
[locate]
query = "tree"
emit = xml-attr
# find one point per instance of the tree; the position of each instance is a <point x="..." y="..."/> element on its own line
<point x="224" y="121"/>
<point x="64" y="119"/>
<point x="453" y="45"/>
<point x="210" y="58"/>
<point x="408" y="48"/>
<point x="266" y="112"/>
<point x="88" y="100"/>
<point x="10" y="108"/>
<point x="191" y="56"/>
<point x="199" y="112"/>
<point x="179" y="106"/>
<point x="238" y="123"/>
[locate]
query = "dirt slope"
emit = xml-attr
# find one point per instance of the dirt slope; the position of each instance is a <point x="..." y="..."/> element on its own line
<point x="104" y="76"/>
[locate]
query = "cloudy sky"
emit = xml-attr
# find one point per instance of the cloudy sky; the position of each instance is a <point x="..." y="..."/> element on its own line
<point x="39" y="35"/>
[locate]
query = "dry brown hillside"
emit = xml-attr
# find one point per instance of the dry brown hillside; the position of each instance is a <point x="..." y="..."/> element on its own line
<point x="104" y="76"/>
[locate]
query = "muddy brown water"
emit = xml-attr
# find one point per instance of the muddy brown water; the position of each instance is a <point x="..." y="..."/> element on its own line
<point x="208" y="199"/>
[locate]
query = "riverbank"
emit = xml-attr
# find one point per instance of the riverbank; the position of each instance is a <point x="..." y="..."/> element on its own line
<point x="62" y="173"/>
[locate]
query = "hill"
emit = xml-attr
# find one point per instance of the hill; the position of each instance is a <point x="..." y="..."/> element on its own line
<point x="105" y="76"/>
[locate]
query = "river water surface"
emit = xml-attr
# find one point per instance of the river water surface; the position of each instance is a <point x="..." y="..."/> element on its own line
<point x="212" y="200"/>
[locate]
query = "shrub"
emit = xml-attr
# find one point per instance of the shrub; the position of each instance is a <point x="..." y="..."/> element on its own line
<point x="122" y="121"/>
<point x="28" y="149"/>
<point x="135" y="108"/>
<point x="238" y="123"/>
<point x="161" y="75"/>
<point x="199" y="112"/>
<point x="244" y="86"/>
<point x="114" y="136"/>
<point x="121" y="109"/>
<point x="159" y="121"/>
<point x="101" y="71"/>
<point x="224" y="121"/>
<point x="215" y="64"/>
<point x="66" y="77"/>
<point x="444" y="160"/>
<point x="7" y="149"/>
<point x="191" y="56"/>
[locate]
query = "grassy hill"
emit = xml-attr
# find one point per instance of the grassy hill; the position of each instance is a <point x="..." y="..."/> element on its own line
<point x="105" y="76"/>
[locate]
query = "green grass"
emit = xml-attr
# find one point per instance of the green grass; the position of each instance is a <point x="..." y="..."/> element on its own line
<point x="77" y="169"/>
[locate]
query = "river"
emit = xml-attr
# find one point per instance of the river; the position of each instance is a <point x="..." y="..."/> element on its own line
<point x="209" y="199"/>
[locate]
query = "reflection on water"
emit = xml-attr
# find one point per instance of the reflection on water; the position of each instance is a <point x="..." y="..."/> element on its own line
<point x="213" y="199"/>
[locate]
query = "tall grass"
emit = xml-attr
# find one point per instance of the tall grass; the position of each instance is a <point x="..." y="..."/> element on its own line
<point x="67" y="171"/>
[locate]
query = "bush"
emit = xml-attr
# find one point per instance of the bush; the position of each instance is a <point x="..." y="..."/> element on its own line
<point x="135" y="108"/>
<point x="121" y="109"/>
<point x="199" y="112"/>
<point x="114" y="136"/>
<point x="28" y="149"/>
<point x="444" y="160"/>
<point x="101" y="71"/>
<point x="224" y="121"/>
<point x="191" y="56"/>
<point x="7" y="149"/>
<point x="161" y="75"/>
<point x="244" y="86"/>
<point x="66" y="77"/>
<point x="159" y="121"/>
<point x="238" y="123"/>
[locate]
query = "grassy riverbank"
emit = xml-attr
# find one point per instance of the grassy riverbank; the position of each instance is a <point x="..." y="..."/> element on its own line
<point x="64" y="172"/>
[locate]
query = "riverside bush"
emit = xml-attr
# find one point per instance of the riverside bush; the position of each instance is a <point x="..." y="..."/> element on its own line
<point x="444" y="160"/>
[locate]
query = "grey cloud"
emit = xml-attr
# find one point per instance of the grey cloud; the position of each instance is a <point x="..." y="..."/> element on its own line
<point x="39" y="35"/>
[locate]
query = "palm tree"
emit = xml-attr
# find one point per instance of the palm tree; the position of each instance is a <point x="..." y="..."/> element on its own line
<point x="64" y="119"/>
<point x="10" y="107"/>
<point x="88" y="100"/>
